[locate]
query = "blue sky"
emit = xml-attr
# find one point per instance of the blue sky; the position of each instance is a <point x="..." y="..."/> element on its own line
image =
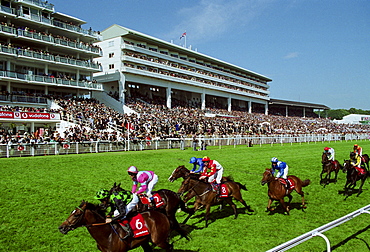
<point x="314" y="51"/>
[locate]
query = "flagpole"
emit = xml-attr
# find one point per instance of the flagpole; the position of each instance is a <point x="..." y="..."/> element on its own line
<point x="185" y="39"/>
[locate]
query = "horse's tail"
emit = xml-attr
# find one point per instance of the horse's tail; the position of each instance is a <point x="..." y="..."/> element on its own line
<point x="227" y="178"/>
<point x="184" y="208"/>
<point x="306" y="182"/>
<point x="241" y="186"/>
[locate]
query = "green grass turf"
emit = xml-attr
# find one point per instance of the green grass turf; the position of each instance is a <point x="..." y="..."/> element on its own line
<point x="38" y="193"/>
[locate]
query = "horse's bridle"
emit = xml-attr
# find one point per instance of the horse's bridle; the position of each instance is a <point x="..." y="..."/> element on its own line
<point x="196" y="194"/>
<point x="73" y="226"/>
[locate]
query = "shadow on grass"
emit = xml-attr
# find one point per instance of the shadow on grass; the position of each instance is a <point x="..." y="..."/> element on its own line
<point x="348" y="193"/>
<point x="354" y="236"/>
<point x="215" y="214"/>
<point x="324" y="182"/>
<point x="280" y="210"/>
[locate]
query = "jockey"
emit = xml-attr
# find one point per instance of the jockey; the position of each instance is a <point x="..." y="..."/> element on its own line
<point x="355" y="159"/>
<point x="330" y="153"/>
<point x="213" y="171"/>
<point x="196" y="161"/>
<point x="147" y="180"/>
<point x="357" y="149"/>
<point x="282" y="169"/>
<point x="121" y="203"/>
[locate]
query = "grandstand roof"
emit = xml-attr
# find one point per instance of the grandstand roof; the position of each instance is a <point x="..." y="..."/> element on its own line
<point x="298" y="104"/>
<point x="115" y="29"/>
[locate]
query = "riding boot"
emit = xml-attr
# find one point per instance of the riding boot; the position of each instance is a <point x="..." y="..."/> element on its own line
<point x="128" y="230"/>
<point x="152" y="202"/>
<point x="287" y="184"/>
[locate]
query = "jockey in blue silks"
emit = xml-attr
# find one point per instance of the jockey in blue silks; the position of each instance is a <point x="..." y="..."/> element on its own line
<point x="196" y="161"/>
<point x="282" y="169"/>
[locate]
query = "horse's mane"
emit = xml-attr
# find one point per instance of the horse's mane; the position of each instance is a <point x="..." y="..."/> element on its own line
<point x="93" y="207"/>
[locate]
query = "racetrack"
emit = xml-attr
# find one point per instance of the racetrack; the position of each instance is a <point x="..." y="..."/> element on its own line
<point x="38" y="193"/>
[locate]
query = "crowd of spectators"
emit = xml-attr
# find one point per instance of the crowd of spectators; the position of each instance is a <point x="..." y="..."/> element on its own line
<point x="96" y="122"/>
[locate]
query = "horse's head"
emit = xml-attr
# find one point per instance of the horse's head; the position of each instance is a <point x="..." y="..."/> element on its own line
<point x="346" y="165"/>
<point x="324" y="158"/>
<point x="179" y="172"/>
<point x="267" y="176"/>
<point x="185" y="186"/>
<point x="75" y="219"/>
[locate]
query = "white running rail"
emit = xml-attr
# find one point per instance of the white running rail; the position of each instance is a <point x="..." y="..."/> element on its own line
<point x="319" y="231"/>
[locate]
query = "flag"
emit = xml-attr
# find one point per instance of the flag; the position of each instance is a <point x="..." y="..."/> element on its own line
<point x="183" y="35"/>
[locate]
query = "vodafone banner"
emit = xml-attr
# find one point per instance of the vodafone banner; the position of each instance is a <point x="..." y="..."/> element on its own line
<point x="28" y="115"/>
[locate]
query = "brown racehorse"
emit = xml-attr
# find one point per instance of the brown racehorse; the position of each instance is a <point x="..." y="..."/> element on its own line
<point x="172" y="202"/>
<point x="365" y="161"/>
<point x="352" y="177"/>
<point x="182" y="172"/>
<point x="277" y="190"/>
<point x="109" y="235"/>
<point x="205" y="196"/>
<point x="328" y="167"/>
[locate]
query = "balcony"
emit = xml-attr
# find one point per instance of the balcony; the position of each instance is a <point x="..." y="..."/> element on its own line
<point x="29" y="78"/>
<point x="55" y="59"/>
<point x="38" y="3"/>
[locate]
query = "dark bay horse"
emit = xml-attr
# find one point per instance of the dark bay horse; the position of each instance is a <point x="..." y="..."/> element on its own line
<point x="365" y="161"/>
<point x="353" y="175"/>
<point x="277" y="190"/>
<point x="172" y="202"/>
<point x="182" y="172"/>
<point x="205" y="196"/>
<point x="328" y="167"/>
<point x="108" y="236"/>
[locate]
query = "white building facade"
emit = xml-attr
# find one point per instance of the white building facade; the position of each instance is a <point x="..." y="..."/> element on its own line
<point x="138" y="66"/>
<point x="42" y="53"/>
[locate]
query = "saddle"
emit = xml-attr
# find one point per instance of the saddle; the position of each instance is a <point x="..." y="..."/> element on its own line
<point x="157" y="199"/>
<point x="291" y="183"/>
<point x="360" y="170"/>
<point x="137" y="224"/>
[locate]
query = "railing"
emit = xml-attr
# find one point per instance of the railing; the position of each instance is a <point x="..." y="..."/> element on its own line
<point x="43" y="4"/>
<point x="24" y="98"/>
<point x="50" y="80"/>
<point x="318" y="231"/>
<point x="53" y="148"/>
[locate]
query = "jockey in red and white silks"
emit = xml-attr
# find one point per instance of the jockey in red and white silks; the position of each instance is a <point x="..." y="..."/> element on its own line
<point x="213" y="170"/>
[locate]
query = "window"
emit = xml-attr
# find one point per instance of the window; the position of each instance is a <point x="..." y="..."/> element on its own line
<point x="110" y="43"/>
<point x="111" y="66"/>
<point x="111" y="55"/>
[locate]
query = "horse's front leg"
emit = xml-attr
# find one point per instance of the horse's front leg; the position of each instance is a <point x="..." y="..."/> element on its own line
<point x="269" y="205"/>
<point x="208" y="209"/>
<point x="360" y="188"/>
<point x="285" y="207"/>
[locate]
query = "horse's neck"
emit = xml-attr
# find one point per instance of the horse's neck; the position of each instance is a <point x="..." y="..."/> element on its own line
<point x="101" y="233"/>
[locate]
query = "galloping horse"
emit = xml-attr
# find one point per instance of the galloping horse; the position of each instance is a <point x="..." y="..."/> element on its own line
<point x="277" y="190"/>
<point x="353" y="175"/>
<point x="365" y="161"/>
<point x="182" y="172"/>
<point x="171" y="202"/>
<point x="108" y="236"/>
<point x="328" y="167"/>
<point x="205" y="196"/>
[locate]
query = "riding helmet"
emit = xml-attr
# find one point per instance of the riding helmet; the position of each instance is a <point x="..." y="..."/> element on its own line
<point x="274" y="160"/>
<point x="132" y="169"/>
<point x="103" y="193"/>
<point x="326" y="148"/>
<point x="193" y="160"/>
<point x="205" y="159"/>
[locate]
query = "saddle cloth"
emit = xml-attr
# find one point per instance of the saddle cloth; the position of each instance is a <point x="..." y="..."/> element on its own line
<point x="138" y="225"/>
<point x="361" y="171"/>
<point x="224" y="191"/>
<point x="291" y="182"/>
<point x="157" y="199"/>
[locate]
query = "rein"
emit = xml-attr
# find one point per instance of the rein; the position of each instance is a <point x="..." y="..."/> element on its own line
<point x="200" y="195"/>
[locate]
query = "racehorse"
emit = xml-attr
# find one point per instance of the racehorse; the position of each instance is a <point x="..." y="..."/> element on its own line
<point x="365" y="160"/>
<point x="171" y="202"/>
<point x="182" y="172"/>
<point x="328" y="167"/>
<point x="277" y="190"/>
<point x="205" y="196"/>
<point x="353" y="175"/>
<point x="108" y="236"/>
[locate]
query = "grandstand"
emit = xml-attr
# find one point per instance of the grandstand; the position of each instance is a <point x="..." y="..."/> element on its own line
<point x="120" y="84"/>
